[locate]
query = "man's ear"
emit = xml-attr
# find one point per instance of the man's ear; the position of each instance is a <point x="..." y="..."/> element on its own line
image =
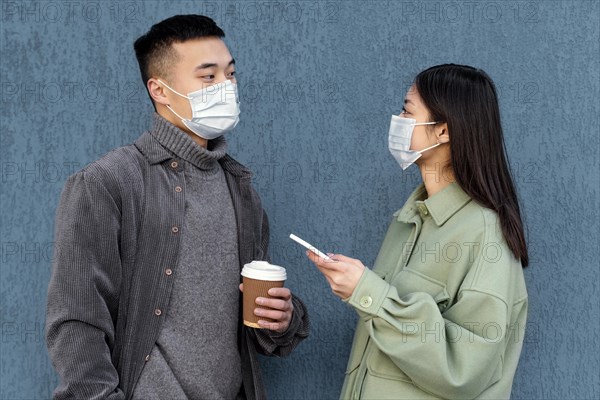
<point x="441" y="133"/>
<point x="157" y="91"/>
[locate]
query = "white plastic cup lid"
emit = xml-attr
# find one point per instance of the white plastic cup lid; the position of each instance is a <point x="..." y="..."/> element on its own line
<point x="263" y="271"/>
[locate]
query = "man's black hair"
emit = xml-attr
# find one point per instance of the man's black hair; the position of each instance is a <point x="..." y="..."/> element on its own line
<point x="154" y="51"/>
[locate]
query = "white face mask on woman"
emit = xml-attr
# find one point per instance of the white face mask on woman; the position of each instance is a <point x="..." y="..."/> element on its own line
<point x="399" y="137"/>
<point x="215" y="110"/>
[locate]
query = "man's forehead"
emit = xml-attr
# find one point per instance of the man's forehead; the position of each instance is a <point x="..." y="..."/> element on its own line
<point x="204" y="50"/>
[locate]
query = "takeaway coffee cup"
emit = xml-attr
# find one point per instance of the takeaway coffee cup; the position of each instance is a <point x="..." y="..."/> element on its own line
<point x="258" y="278"/>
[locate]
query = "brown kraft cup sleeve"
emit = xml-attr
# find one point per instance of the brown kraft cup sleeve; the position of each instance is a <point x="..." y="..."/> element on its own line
<point x="254" y="288"/>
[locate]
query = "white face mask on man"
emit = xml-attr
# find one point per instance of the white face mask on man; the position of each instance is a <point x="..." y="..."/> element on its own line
<point x="399" y="138"/>
<point x="215" y="109"/>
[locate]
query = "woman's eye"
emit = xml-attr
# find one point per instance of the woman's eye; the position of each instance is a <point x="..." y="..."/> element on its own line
<point x="210" y="77"/>
<point x="232" y="73"/>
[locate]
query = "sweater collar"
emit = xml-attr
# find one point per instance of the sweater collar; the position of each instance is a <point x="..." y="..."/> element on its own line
<point x="181" y="144"/>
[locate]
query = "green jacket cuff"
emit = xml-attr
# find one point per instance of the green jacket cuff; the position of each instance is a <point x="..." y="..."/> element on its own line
<point x="369" y="294"/>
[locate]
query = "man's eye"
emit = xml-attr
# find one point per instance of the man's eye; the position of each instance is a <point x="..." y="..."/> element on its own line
<point x="232" y="73"/>
<point x="404" y="111"/>
<point x="208" y="77"/>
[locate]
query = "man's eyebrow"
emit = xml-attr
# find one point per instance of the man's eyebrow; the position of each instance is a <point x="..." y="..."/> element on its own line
<point x="212" y="65"/>
<point x="206" y="65"/>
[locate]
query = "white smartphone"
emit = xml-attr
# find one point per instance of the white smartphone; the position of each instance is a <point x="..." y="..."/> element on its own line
<point x="309" y="247"/>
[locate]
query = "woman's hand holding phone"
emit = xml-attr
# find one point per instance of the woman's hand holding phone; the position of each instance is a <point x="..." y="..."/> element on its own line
<point x="342" y="273"/>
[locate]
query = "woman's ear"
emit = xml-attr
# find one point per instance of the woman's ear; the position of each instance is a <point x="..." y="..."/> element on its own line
<point x="157" y="91"/>
<point x="442" y="134"/>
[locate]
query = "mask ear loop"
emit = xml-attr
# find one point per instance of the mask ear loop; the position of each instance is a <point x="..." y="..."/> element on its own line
<point x="176" y="92"/>
<point x="428" y="148"/>
<point x="173" y="90"/>
<point x="178" y="116"/>
<point x="425" y="123"/>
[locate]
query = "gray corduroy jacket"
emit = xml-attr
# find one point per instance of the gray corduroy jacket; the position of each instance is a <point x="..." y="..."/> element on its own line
<point x="116" y="242"/>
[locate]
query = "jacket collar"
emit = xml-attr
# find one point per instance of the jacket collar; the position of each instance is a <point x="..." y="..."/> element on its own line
<point x="409" y="210"/>
<point x="440" y="206"/>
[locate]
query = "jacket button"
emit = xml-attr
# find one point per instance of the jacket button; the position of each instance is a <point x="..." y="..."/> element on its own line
<point x="366" y="301"/>
<point x="178" y="189"/>
<point x="174" y="229"/>
<point x="157" y="311"/>
<point x="168" y="272"/>
<point x="174" y="164"/>
<point x="147" y="358"/>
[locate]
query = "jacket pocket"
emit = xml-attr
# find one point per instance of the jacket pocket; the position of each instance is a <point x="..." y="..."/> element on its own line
<point x="385" y="380"/>
<point x="379" y="364"/>
<point x="411" y="281"/>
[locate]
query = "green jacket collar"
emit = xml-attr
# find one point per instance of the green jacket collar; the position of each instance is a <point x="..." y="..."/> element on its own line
<point x="440" y="206"/>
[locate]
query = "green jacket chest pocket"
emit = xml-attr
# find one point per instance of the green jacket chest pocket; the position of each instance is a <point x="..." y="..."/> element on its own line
<point x="410" y="281"/>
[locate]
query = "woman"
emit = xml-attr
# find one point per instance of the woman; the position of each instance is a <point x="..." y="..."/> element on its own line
<point x="443" y="311"/>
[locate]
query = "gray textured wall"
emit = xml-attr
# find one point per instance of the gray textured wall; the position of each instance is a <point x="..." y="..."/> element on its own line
<point x="319" y="81"/>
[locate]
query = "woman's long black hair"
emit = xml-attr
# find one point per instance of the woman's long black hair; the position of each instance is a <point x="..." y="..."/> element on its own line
<point x="465" y="98"/>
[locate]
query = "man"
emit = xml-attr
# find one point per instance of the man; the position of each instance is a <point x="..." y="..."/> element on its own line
<point x="144" y="302"/>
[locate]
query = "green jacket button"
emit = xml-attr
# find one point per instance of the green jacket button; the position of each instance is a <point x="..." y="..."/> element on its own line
<point x="366" y="301"/>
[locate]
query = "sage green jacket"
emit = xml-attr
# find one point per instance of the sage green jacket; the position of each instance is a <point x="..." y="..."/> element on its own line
<point x="443" y="312"/>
